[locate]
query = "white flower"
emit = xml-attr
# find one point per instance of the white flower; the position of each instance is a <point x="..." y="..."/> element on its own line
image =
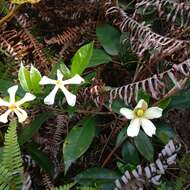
<point x="14" y="106"/>
<point x="60" y="84"/>
<point x="141" y="116"/>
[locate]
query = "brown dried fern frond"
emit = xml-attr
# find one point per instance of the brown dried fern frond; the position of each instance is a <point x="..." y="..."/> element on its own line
<point x="143" y="176"/>
<point x="156" y="86"/>
<point x="143" y="39"/>
<point x="175" y="12"/>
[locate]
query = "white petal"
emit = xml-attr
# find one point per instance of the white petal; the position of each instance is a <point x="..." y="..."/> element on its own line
<point x="49" y="100"/>
<point x="59" y="75"/>
<point x="142" y="104"/>
<point x="77" y="79"/>
<point x="21" y="114"/>
<point x="3" y="103"/>
<point x="27" y="98"/>
<point x="134" y="127"/>
<point x="3" y="117"/>
<point x="12" y="92"/>
<point x="45" y="80"/>
<point x="129" y="114"/>
<point x="71" y="98"/>
<point x="153" y="112"/>
<point x="148" y="127"/>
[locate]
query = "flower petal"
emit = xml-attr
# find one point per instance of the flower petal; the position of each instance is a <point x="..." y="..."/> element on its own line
<point x="12" y="92"/>
<point x="3" y="117"/>
<point x="49" y="100"/>
<point x="45" y="80"/>
<point x="21" y="114"/>
<point x="59" y="75"/>
<point x="153" y="112"/>
<point x="148" y="127"/>
<point x="71" y="98"/>
<point x="27" y="98"/>
<point x="3" y="103"/>
<point x="129" y="114"/>
<point x="142" y="104"/>
<point x="134" y="127"/>
<point x="77" y="79"/>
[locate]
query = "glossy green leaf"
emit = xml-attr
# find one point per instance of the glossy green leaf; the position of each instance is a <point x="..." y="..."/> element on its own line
<point x="144" y="146"/>
<point x="24" y="78"/>
<point x="81" y="59"/>
<point x="143" y="95"/>
<point x="33" y="128"/>
<point x="65" y="70"/>
<point x="130" y="153"/>
<point x="96" y="176"/>
<point x="35" y="78"/>
<point x="99" y="57"/>
<point x="164" y="132"/>
<point x="109" y="38"/>
<point x="4" y="85"/>
<point x="40" y="158"/>
<point x="164" y="103"/>
<point x="78" y="140"/>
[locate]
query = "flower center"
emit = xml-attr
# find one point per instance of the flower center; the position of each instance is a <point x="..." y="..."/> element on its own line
<point x="59" y="83"/>
<point x="139" y="112"/>
<point x="12" y="107"/>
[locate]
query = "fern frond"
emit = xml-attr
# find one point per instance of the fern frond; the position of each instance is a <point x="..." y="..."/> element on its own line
<point x="143" y="39"/>
<point x="65" y="187"/>
<point x="173" y="11"/>
<point x="12" y="159"/>
<point x="88" y="188"/>
<point x="5" y="178"/>
<point x="152" y="173"/>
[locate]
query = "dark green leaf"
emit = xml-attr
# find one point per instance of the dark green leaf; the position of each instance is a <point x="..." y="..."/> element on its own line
<point x="96" y="176"/>
<point x="66" y="72"/>
<point x="78" y="140"/>
<point x="40" y="158"/>
<point x="164" y="132"/>
<point x="121" y="136"/>
<point x="130" y="154"/>
<point x="109" y="38"/>
<point x="144" y="146"/>
<point x="143" y="95"/>
<point x="81" y="59"/>
<point x="99" y="57"/>
<point x="164" y="103"/>
<point x="33" y="128"/>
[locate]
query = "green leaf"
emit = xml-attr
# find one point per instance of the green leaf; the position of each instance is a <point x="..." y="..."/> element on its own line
<point x="99" y="57"/>
<point x="24" y="78"/>
<point x="40" y="158"/>
<point x="144" y="146"/>
<point x="109" y="38"/>
<point x="1" y="153"/>
<point x="164" y="103"/>
<point x="130" y="154"/>
<point x="78" y="140"/>
<point x="143" y="95"/>
<point x="66" y="72"/>
<point x="33" y="128"/>
<point x="164" y="132"/>
<point x="96" y="176"/>
<point x="81" y="59"/>
<point x="121" y="136"/>
<point x="4" y="85"/>
<point x="35" y="78"/>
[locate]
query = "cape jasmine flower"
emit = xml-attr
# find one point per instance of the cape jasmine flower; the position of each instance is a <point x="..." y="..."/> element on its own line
<point x="14" y="106"/>
<point x="141" y="116"/>
<point x="60" y="84"/>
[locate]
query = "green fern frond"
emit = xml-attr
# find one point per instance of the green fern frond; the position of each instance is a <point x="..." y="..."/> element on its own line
<point x="5" y="178"/>
<point x="65" y="187"/>
<point x="88" y="188"/>
<point x="12" y="160"/>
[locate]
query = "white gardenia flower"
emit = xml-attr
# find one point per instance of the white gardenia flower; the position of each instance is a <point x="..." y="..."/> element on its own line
<point x="141" y="116"/>
<point x="60" y="84"/>
<point x="14" y="106"/>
